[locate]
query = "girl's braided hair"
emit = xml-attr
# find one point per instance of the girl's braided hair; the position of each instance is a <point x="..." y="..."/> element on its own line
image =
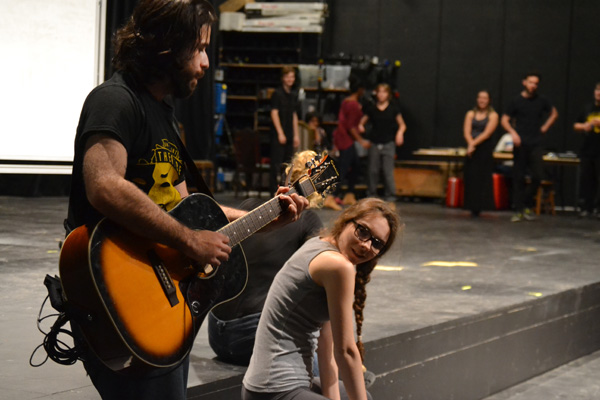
<point x="363" y="271"/>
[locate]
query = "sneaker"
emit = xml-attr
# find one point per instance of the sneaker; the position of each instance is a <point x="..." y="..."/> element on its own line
<point x="528" y="214"/>
<point x="517" y="217"/>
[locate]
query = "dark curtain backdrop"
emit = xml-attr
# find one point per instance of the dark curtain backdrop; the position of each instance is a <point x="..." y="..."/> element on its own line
<point x="450" y="50"/>
<point x="196" y="112"/>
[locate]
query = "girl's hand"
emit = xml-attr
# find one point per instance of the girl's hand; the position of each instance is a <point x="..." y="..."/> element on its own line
<point x="470" y="149"/>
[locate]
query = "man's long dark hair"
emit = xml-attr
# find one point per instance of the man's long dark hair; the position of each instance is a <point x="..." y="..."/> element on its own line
<point x="161" y="36"/>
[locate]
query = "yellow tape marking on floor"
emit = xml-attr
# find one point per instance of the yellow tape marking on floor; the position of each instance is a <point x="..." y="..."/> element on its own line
<point x="449" y="264"/>
<point x="528" y="249"/>
<point x="535" y="294"/>
<point x="52" y="251"/>
<point x="388" y="268"/>
<point x="467" y="287"/>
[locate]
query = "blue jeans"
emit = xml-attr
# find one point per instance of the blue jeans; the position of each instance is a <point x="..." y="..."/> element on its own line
<point x="233" y="340"/>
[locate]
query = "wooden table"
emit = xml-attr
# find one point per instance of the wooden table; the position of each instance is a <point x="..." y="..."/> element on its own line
<point x="456" y="156"/>
<point x="459" y="154"/>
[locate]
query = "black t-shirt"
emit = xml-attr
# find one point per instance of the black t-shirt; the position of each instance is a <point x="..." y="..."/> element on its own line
<point x="591" y="139"/>
<point x="146" y="128"/>
<point x="287" y="104"/>
<point x="383" y="122"/>
<point x="266" y="252"/>
<point x="529" y="115"/>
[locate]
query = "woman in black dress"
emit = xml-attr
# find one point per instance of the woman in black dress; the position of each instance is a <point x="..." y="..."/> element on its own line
<point x="479" y="126"/>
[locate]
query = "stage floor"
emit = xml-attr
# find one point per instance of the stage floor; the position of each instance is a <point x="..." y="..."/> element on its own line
<point x="445" y="266"/>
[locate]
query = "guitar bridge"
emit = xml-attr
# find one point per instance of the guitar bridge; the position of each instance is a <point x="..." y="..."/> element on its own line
<point x="163" y="277"/>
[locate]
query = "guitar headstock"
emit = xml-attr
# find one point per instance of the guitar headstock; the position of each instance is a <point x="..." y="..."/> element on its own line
<point x="322" y="175"/>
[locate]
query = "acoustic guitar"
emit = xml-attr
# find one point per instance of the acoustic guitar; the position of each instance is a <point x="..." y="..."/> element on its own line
<point x="140" y="304"/>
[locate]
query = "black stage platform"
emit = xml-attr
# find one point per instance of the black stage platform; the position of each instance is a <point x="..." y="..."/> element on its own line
<point x="460" y="309"/>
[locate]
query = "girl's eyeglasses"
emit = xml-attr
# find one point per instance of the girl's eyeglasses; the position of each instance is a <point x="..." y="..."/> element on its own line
<point x="363" y="234"/>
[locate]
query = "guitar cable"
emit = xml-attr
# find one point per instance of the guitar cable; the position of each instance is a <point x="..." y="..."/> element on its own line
<point x="56" y="349"/>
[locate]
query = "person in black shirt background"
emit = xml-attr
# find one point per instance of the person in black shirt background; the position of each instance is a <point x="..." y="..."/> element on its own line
<point x="528" y="118"/>
<point x="387" y="133"/>
<point x="284" y="115"/>
<point x="588" y="124"/>
<point x="232" y="325"/>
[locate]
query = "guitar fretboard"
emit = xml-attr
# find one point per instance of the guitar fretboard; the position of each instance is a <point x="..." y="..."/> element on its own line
<point x="244" y="227"/>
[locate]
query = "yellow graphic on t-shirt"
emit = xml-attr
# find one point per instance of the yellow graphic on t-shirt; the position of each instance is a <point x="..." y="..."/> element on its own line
<point x="167" y="170"/>
<point x="594" y="116"/>
<point x="163" y="192"/>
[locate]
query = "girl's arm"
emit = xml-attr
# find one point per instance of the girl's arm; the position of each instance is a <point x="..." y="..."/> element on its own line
<point x="337" y="275"/>
<point x="277" y="124"/>
<point x="296" y="131"/>
<point x="467" y="127"/>
<point x="361" y="124"/>
<point x="401" y="130"/>
<point x="328" y="371"/>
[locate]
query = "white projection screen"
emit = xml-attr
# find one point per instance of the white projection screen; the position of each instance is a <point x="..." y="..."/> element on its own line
<point x="51" y="56"/>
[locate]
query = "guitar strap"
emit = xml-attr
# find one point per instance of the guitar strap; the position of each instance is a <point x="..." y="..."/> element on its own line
<point x="191" y="167"/>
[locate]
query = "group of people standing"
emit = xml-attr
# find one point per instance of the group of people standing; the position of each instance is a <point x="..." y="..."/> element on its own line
<point x="527" y="119"/>
<point x="588" y="125"/>
<point x="350" y="138"/>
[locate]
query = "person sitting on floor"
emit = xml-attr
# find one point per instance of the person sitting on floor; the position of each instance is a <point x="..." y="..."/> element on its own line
<point x="312" y="299"/>
<point x="232" y="325"/>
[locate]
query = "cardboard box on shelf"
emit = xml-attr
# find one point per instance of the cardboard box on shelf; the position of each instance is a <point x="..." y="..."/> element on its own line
<point x="234" y="5"/>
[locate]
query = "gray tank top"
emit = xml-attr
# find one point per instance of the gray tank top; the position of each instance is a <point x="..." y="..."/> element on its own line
<point x="286" y="338"/>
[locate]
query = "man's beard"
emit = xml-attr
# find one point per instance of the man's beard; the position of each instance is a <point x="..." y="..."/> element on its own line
<point x="184" y="84"/>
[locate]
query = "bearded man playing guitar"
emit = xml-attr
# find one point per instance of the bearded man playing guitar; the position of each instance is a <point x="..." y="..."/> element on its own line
<point x="128" y="170"/>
